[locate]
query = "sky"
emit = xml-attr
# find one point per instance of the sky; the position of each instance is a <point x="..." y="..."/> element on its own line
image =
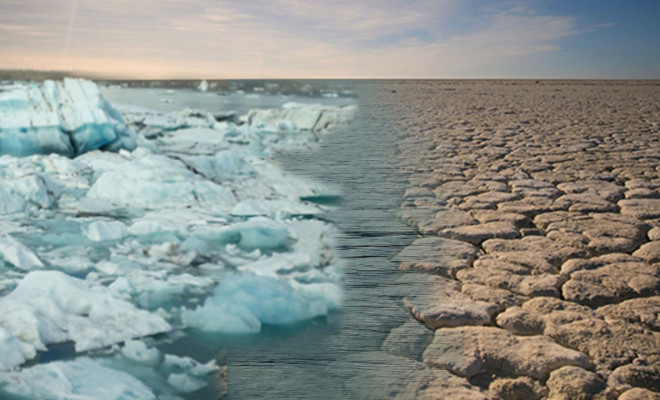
<point x="445" y="39"/>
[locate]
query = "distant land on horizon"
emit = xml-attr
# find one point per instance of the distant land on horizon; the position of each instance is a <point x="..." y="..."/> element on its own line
<point x="40" y="75"/>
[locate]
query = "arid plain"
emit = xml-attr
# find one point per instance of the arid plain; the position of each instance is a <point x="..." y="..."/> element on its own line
<point x="537" y="205"/>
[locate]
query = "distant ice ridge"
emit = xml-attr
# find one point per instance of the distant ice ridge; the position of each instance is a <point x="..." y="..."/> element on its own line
<point x="194" y="230"/>
<point x="68" y="117"/>
<point x="300" y="117"/>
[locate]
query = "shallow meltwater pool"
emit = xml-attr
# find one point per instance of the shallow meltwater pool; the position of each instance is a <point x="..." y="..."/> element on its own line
<point x="196" y="254"/>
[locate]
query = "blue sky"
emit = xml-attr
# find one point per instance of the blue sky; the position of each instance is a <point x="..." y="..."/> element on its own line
<point x="338" y="39"/>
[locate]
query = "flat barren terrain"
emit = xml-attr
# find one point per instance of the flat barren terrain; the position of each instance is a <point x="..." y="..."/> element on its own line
<point x="538" y="211"/>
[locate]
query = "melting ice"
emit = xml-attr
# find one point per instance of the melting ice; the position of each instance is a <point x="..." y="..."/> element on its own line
<point x="120" y="223"/>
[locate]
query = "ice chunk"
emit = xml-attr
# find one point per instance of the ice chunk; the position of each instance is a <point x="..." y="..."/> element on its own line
<point x="126" y="139"/>
<point x="257" y="233"/>
<point x="138" y="352"/>
<point x="167" y="225"/>
<point x="67" y="117"/>
<point x="17" y="254"/>
<point x="314" y="241"/>
<point x="10" y="202"/>
<point x="80" y="379"/>
<point x="193" y="141"/>
<point x="166" y="374"/>
<point x="241" y="303"/>
<point x="222" y="166"/>
<point x="262" y="233"/>
<point x="203" y="86"/>
<point x="187" y="365"/>
<point x="284" y="185"/>
<point x="51" y="307"/>
<point x="152" y="181"/>
<point x="328" y="293"/>
<point x="170" y="252"/>
<point x="107" y="267"/>
<point x="152" y="290"/>
<point x="36" y="188"/>
<point x="185" y="373"/>
<point x="184" y="383"/>
<point x="12" y="351"/>
<point x="99" y="231"/>
<point x="298" y="116"/>
<point x="187" y="118"/>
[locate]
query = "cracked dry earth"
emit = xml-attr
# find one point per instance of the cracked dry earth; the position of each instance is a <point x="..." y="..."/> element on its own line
<point x="538" y="211"/>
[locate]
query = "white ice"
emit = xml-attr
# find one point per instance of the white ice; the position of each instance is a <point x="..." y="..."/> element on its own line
<point x="81" y="379"/>
<point x="298" y="116"/>
<point x="18" y="255"/>
<point x="135" y="371"/>
<point x="67" y="117"/>
<point x="100" y="231"/>
<point x="153" y="181"/>
<point x="152" y="290"/>
<point x="240" y="304"/>
<point x="10" y="202"/>
<point x="51" y="307"/>
<point x="203" y="86"/>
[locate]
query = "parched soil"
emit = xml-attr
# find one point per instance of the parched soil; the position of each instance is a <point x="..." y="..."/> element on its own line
<point x="538" y="210"/>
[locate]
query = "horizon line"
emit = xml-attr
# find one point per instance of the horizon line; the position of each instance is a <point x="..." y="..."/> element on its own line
<point x="121" y="77"/>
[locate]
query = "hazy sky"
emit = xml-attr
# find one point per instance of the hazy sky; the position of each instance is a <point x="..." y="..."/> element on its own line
<point x="334" y="38"/>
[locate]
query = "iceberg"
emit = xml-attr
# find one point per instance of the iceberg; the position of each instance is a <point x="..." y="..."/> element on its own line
<point x="68" y="117"/>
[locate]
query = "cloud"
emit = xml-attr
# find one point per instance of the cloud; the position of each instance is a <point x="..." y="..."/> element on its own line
<point x="22" y="30"/>
<point x="277" y="38"/>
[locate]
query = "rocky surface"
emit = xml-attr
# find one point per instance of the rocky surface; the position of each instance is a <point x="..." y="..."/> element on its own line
<point x="538" y="210"/>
